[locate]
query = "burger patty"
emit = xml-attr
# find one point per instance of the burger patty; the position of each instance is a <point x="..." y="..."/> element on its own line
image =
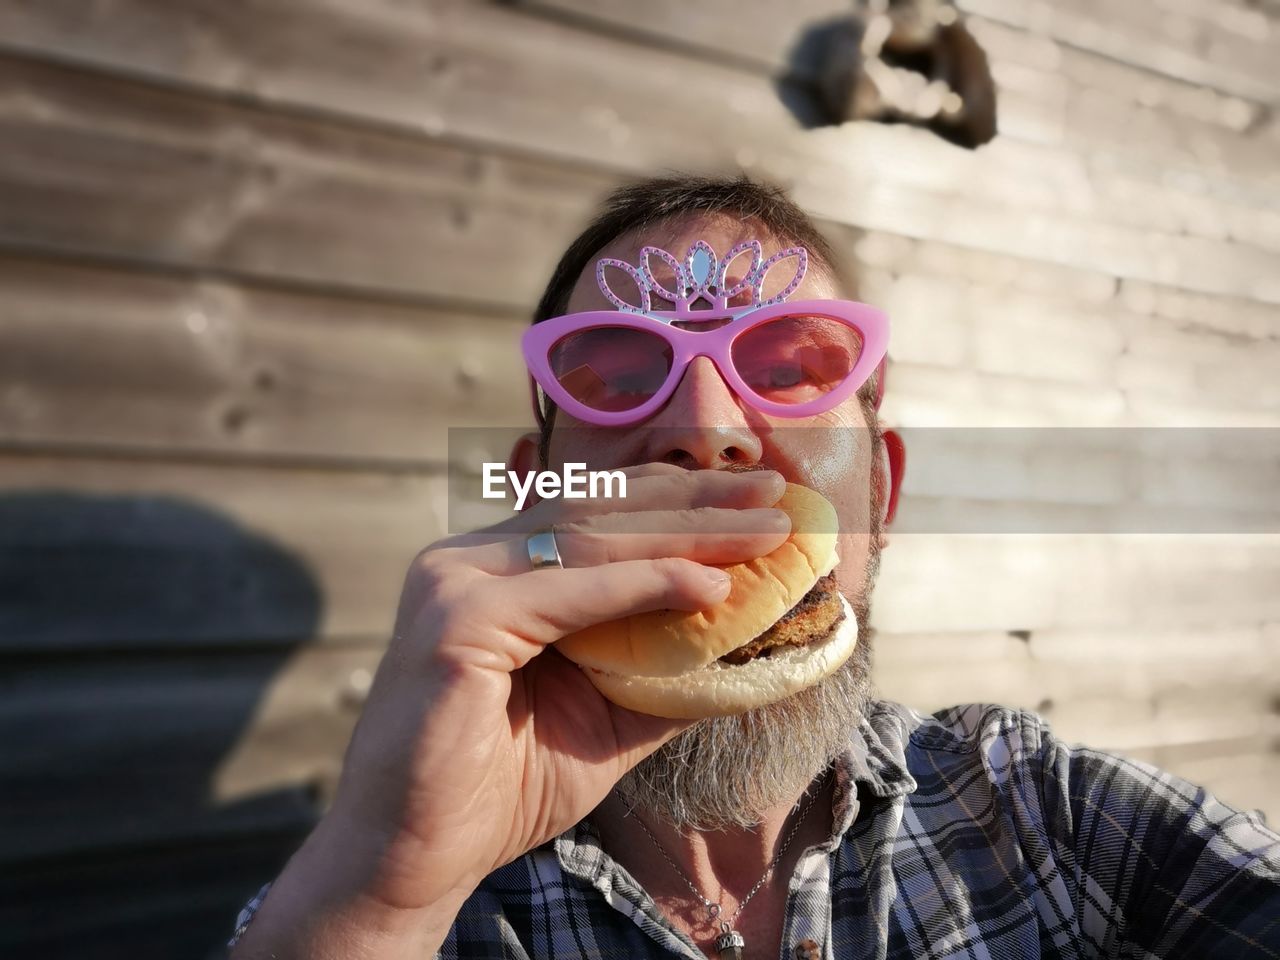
<point x="813" y="618"/>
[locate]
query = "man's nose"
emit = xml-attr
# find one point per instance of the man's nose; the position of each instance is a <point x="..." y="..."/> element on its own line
<point x="702" y="426"/>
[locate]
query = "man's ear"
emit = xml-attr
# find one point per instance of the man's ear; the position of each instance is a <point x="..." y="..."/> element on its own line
<point x="524" y="460"/>
<point x="894" y="462"/>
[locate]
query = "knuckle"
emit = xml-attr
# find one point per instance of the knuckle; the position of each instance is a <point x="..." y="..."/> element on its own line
<point x="692" y="519"/>
<point x="579" y="510"/>
<point x="429" y="565"/>
<point x="584" y="542"/>
<point x="570" y="529"/>
<point x="688" y="482"/>
<point x="674" y="569"/>
<point x="440" y="577"/>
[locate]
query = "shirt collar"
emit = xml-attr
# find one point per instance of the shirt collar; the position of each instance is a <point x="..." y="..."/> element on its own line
<point x="874" y="763"/>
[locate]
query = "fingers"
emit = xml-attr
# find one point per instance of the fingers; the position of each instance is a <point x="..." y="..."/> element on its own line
<point x="658" y="487"/>
<point x="704" y="534"/>
<point x="652" y="550"/>
<point x="636" y="734"/>
<point x="541" y="607"/>
<point x="640" y="734"/>
<point x="706" y="515"/>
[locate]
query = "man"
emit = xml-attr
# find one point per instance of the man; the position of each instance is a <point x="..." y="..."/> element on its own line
<point x="492" y="803"/>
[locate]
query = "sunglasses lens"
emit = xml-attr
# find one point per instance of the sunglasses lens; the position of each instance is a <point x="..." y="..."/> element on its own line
<point x="611" y="368"/>
<point x="796" y="359"/>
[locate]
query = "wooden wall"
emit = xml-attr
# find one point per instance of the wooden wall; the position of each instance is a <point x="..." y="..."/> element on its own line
<point x="240" y="303"/>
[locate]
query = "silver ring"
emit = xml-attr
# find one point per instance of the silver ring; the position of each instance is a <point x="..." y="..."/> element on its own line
<point x="542" y="549"/>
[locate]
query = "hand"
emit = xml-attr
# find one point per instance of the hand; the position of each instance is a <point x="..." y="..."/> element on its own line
<point x="477" y="744"/>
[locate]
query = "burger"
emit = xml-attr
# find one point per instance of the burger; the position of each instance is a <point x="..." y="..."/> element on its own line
<point x="783" y="627"/>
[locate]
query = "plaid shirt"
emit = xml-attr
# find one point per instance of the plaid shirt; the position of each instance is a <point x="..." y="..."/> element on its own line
<point x="971" y="833"/>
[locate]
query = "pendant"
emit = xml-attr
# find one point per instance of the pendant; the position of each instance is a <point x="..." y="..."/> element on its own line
<point x="730" y="943"/>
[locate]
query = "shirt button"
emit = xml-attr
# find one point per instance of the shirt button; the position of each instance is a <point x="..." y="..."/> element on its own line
<point x="807" y="950"/>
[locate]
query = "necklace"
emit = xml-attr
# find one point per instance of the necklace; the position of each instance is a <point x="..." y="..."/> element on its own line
<point x="730" y="943"/>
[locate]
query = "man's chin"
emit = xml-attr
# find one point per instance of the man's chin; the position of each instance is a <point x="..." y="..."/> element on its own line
<point x="729" y="771"/>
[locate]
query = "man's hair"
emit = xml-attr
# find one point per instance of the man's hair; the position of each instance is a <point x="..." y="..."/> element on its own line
<point x="651" y="202"/>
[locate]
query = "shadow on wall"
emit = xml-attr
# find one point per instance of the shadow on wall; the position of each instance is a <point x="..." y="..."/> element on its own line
<point x="137" y="637"/>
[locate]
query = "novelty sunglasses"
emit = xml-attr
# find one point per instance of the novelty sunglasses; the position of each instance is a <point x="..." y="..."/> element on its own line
<point x="785" y="358"/>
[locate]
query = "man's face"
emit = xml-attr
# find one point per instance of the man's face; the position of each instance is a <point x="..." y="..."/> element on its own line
<point x="705" y="425"/>
<point x="729" y="771"/>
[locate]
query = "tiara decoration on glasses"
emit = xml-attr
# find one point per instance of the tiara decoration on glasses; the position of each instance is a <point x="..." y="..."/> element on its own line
<point x="701" y="277"/>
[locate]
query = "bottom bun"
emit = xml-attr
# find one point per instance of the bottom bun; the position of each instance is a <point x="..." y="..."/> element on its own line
<point x="721" y="689"/>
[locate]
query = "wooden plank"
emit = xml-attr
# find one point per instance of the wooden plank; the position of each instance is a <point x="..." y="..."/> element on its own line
<point x="168" y="902"/>
<point x="1183" y="310"/>
<point x="187" y="367"/>
<point x="715" y="27"/>
<point x="989" y="667"/>
<point x="184" y="366"/>
<point x="1011" y="197"/>
<point x="176" y="365"/>
<point x="125" y="171"/>
<point x="897" y="254"/>
<point x="1050" y="73"/>
<point x="98" y="554"/>
<point x="1040" y="338"/>
<point x="986" y="329"/>
<point x="56" y="818"/>
<point x="1035" y="513"/>
<point x="1067" y="664"/>
<point x="1076" y="581"/>
<point x="1165" y="40"/>
<point x="1079" y="240"/>
<point x="1126" y="480"/>
<point x="1038" y="80"/>
<point x="925" y="395"/>
<point x="243" y="742"/>
<point x="1048" y="93"/>
<point x="1255" y="19"/>
<point x="1182" y="40"/>
<point x="970" y="310"/>
<point x="1214" y="715"/>
<point x="1164" y="663"/>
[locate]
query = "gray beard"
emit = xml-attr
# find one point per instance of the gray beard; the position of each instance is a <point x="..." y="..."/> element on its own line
<point x="728" y="771"/>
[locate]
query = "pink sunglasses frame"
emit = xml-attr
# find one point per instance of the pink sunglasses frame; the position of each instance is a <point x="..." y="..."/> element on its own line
<point x="537" y="342"/>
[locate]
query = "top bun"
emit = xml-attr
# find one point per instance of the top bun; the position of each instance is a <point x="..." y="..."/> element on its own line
<point x="667" y="643"/>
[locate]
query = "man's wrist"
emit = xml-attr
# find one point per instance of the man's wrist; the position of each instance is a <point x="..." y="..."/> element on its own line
<point x="316" y="910"/>
<point x="359" y="929"/>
